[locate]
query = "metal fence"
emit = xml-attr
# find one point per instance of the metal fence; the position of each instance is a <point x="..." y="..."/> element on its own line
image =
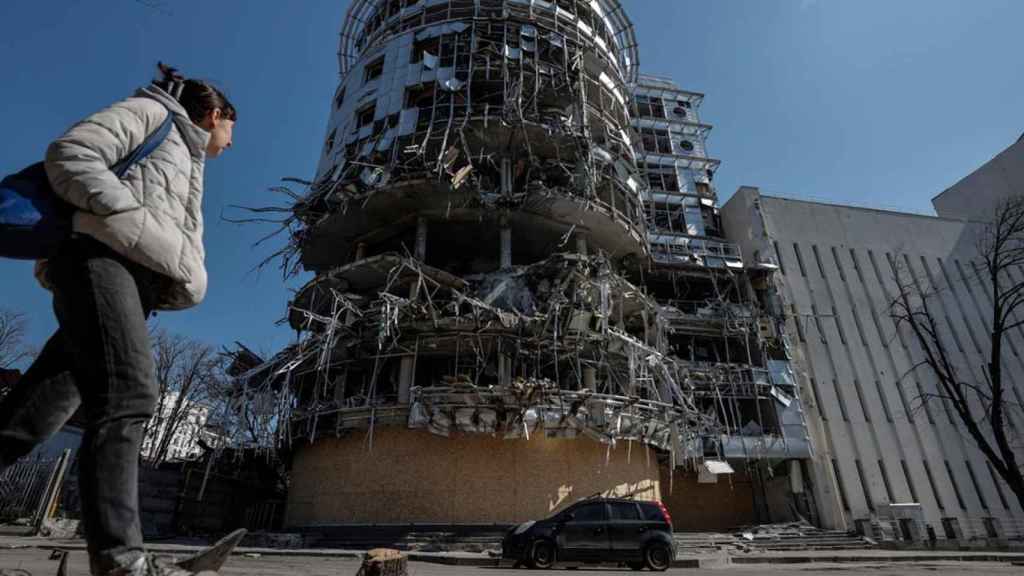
<point x="23" y="487"/>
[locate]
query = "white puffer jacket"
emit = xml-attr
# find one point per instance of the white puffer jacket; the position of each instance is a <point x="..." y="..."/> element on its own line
<point x="153" y="216"/>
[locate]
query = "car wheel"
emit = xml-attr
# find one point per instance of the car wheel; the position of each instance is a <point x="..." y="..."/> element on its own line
<point x="658" y="557"/>
<point x="635" y="566"/>
<point x="542" y="556"/>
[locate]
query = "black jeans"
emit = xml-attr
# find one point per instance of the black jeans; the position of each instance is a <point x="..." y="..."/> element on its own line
<point x="99" y="358"/>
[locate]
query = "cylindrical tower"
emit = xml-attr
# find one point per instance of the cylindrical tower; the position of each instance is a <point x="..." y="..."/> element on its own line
<point x="478" y="116"/>
<point x="471" y="352"/>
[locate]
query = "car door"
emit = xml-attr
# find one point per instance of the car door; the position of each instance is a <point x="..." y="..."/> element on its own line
<point x="584" y="535"/>
<point x="626" y="529"/>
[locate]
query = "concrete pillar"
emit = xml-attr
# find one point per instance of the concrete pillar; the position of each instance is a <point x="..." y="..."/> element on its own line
<point x="419" y="252"/>
<point x="421" y="239"/>
<point x="581" y="244"/>
<point x="590" y="378"/>
<point x="339" y="387"/>
<point x="504" y="370"/>
<point x="506" y="247"/>
<point x="826" y="492"/>
<point x="405" y="368"/>
<point x="506" y="176"/>
<point x="405" y="375"/>
<point x="796" y="477"/>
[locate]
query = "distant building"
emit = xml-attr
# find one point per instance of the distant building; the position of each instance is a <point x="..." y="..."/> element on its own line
<point x="185" y="436"/>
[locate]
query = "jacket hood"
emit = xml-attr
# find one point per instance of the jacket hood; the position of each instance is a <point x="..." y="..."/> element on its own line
<point x="195" y="137"/>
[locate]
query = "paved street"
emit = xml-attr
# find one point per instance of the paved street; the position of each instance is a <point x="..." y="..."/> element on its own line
<point x="35" y="562"/>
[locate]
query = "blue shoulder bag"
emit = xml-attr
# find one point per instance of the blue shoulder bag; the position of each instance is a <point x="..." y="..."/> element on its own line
<point x="34" y="220"/>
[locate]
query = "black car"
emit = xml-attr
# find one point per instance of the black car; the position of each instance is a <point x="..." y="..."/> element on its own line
<point x="596" y="530"/>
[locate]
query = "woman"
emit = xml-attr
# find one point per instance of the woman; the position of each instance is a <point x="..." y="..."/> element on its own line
<point x="137" y="247"/>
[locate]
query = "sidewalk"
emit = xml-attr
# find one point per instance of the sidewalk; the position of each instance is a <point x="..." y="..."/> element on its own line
<point x="483" y="560"/>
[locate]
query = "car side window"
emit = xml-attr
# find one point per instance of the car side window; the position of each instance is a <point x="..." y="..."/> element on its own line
<point x="651" y="512"/>
<point x="624" y="511"/>
<point x="589" y="513"/>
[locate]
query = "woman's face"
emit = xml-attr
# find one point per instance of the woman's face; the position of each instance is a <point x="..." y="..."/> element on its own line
<point x="220" y="129"/>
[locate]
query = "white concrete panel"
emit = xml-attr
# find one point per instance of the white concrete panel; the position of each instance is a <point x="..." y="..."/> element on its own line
<point x="861" y="345"/>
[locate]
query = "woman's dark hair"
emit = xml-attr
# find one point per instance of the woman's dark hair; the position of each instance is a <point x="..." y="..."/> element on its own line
<point x="197" y="97"/>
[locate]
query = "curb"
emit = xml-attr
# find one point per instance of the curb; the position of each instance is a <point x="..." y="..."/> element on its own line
<point x="875" y="559"/>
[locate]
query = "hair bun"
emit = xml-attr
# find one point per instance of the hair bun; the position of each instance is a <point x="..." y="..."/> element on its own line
<point x="170" y="74"/>
<point x="172" y="81"/>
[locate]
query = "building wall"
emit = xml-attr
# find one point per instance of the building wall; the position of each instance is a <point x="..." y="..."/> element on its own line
<point x="878" y="443"/>
<point x="414" y="476"/>
<point x="723" y="505"/>
<point x="978" y="193"/>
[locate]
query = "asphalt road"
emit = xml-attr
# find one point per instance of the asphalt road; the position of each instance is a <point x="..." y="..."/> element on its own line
<point x="35" y="562"/>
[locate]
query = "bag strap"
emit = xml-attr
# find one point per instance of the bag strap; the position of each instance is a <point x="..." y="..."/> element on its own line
<point x="151" y="143"/>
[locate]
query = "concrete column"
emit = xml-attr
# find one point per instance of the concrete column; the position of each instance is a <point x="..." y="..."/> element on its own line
<point x="339" y="387"/>
<point x="796" y="477"/>
<point x="590" y="379"/>
<point x="581" y="244"/>
<point x="506" y="176"/>
<point x="504" y="370"/>
<point x="405" y="368"/>
<point x="405" y="374"/>
<point x="506" y="247"/>
<point x="421" y="239"/>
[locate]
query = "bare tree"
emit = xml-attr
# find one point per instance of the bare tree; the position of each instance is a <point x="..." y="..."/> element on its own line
<point x="252" y="393"/>
<point x="190" y="383"/>
<point x="983" y="405"/>
<point x="12" y="335"/>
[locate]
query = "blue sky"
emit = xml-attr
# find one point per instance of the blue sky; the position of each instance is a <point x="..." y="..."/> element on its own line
<point x="864" y="102"/>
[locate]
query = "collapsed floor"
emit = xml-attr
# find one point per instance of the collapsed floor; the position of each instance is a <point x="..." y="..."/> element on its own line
<point x="563" y="347"/>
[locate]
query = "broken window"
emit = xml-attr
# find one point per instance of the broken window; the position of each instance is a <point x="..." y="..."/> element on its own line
<point x="364" y="116"/>
<point x="662" y="177"/>
<point x="420" y="95"/>
<point x="428" y="45"/>
<point x="656" y="140"/>
<point x="443" y="51"/>
<point x="374" y="70"/>
<point x="686" y="145"/>
<point x="650" y="106"/>
<point x="667" y="216"/>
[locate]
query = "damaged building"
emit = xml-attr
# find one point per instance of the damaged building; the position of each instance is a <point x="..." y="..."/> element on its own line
<point x="523" y="293"/>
